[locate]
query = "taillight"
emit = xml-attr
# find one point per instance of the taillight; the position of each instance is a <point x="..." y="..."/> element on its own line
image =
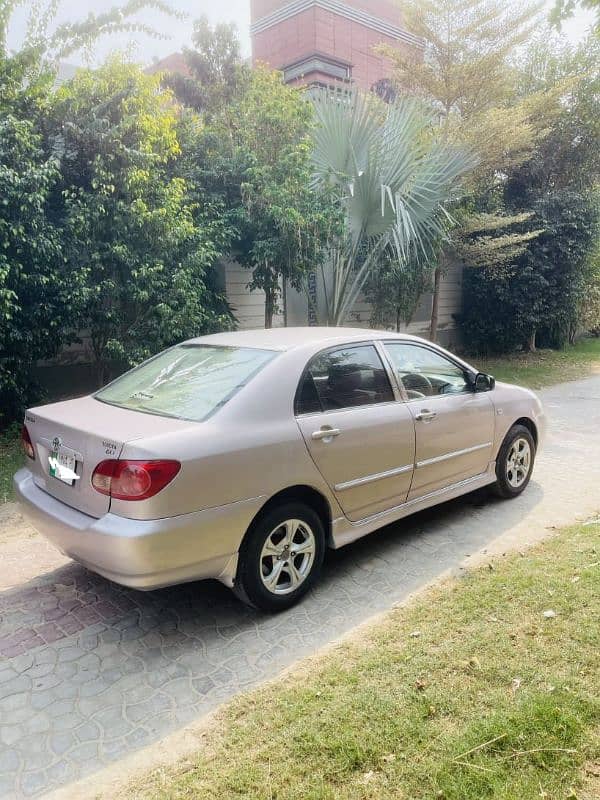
<point x="124" y="479"/>
<point x="26" y="442"/>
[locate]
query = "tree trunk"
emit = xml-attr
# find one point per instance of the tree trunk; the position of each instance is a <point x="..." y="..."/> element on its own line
<point x="101" y="373"/>
<point x="531" y="348"/>
<point x="269" y="307"/>
<point x="397" y="320"/>
<point x="433" y="328"/>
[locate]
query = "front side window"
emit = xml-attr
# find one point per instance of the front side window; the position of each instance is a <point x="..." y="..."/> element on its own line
<point x="424" y="373"/>
<point x="187" y="382"/>
<point x="346" y="377"/>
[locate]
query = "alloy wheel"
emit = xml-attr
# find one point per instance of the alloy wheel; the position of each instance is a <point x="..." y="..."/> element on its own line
<point x="287" y="556"/>
<point x="518" y="462"/>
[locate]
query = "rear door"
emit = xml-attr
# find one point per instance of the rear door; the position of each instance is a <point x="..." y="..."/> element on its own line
<point x="359" y="435"/>
<point x="454" y="425"/>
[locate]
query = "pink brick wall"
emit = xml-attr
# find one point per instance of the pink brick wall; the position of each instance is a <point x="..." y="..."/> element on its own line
<point x="319" y="31"/>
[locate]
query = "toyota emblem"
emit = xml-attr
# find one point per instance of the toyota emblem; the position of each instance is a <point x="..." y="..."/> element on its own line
<point x="56" y="442"/>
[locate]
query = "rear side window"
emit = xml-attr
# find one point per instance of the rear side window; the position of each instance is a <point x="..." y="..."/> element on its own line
<point x="346" y="377"/>
<point x="187" y="382"/>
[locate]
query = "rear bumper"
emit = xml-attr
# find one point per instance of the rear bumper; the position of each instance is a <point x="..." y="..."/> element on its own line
<point x="143" y="554"/>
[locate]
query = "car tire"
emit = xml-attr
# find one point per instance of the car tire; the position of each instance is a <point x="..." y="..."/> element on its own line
<point x="514" y="464"/>
<point x="281" y="557"/>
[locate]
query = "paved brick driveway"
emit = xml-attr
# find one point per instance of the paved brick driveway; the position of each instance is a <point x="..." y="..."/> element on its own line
<point x="90" y="672"/>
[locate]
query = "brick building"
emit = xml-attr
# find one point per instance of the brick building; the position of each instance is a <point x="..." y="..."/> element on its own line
<point x="326" y="42"/>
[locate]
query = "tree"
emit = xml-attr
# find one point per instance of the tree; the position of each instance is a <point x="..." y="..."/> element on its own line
<point x="566" y="155"/>
<point x="51" y="42"/>
<point x="564" y="9"/>
<point x="466" y="77"/>
<point x="395" y="290"/>
<point x="560" y="180"/>
<point x="40" y="298"/>
<point x="217" y="71"/>
<point x="285" y="221"/>
<point x="588" y="311"/>
<point x="393" y="179"/>
<point x="256" y="164"/>
<point x="536" y="298"/>
<point x="144" y="245"/>
<point x="481" y="240"/>
<point x="37" y="297"/>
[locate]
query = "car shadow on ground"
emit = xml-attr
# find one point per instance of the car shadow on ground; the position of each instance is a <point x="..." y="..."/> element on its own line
<point x="415" y="548"/>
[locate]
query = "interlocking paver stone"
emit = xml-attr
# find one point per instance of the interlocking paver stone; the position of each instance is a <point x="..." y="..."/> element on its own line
<point x="90" y="671"/>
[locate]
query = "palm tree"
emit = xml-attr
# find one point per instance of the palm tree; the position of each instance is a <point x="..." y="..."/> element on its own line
<point x="393" y="177"/>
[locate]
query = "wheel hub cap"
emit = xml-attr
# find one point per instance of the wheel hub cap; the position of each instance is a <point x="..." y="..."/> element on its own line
<point x="518" y="463"/>
<point x="287" y="556"/>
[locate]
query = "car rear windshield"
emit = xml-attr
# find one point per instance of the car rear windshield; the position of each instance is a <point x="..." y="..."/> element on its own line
<point x="187" y="382"/>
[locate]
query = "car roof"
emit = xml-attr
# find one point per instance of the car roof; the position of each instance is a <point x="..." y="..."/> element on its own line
<point x="290" y="338"/>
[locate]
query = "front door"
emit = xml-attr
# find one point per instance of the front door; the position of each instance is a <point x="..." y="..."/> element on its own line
<point x="360" y="437"/>
<point x="454" y="425"/>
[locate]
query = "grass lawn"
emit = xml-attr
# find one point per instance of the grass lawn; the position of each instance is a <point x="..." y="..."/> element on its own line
<point x="485" y="687"/>
<point x="545" y="367"/>
<point x="11" y="458"/>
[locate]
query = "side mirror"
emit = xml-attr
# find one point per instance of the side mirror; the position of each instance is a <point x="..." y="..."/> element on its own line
<point x="483" y="382"/>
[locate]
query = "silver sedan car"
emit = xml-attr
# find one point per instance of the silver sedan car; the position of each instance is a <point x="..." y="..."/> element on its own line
<point x="243" y="456"/>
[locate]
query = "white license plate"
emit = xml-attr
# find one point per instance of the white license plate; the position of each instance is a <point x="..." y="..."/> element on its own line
<point x="62" y="466"/>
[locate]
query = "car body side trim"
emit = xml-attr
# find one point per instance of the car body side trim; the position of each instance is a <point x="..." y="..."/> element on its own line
<point x="454" y="454"/>
<point x="424" y="497"/>
<point x="372" y="478"/>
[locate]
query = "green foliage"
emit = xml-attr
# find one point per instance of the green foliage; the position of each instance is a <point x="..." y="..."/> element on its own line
<point x="11" y="459"/>
<point x="589" y="300"/>
<point x="36" y="293"/>
<point x="285" y="220"/>
<point x="540" y="295"/>
<point x="493" y="240"/>
<point x="393" y="178"/>
<point x="144" y="246"/>
<point x="566" y="155"/>
<point x="536" y="299"/>
<point x="44" y="286"/>
<point x="217" y="72"/>
<point x="466" y="75"/>
<point x="255" y="162"/>
<point x="564" y="9"/>
<point x="51" y="42"/>
<point x="395" y="290"/>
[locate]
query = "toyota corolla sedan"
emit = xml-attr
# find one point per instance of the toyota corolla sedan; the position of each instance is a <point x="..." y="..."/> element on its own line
<point x="243" y="456"/>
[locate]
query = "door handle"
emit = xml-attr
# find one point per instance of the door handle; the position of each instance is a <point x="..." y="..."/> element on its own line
<point x="425" y="415"/>
<point x="326" y="434"/>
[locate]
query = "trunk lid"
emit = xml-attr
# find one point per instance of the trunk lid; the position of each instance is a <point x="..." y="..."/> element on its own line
<point x="71" y="438"/>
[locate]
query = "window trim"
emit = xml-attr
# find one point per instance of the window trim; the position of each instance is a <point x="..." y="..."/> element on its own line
<point x="437" y="352"/>
<point x="332" y="348"/>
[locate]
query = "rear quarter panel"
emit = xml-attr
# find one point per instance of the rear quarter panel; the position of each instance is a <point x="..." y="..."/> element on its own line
<point x="223" y="463"/>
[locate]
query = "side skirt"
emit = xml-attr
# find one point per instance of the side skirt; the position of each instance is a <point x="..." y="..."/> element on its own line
<point x="344" y="532"/>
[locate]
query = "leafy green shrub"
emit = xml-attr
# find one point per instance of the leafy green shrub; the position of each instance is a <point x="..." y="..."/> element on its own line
<point x="537" y="298"/>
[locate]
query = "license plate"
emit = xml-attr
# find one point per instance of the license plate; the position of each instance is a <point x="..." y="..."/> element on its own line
<point x="63" y="467"/>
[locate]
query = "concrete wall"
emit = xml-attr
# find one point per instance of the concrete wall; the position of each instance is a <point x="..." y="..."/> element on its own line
<point x="249" y="306"/>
